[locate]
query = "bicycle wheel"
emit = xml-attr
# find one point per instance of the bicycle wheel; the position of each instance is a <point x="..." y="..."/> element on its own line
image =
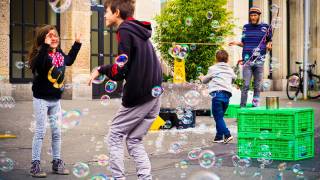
<point x="293" y="86"/>
<point x="313" y="86"/>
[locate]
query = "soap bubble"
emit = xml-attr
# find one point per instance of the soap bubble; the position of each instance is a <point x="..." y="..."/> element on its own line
<point x="121" y="60"/>
<point x="110" y="86"/>
<point x="175" y="148"/>
<point x="209" y="15"/>
<point x="100" y="79"/>
<point x="184" y="164"/>
<point x="215" y="24"/>
<point x="19" y="64"/>
<point x="80" y="170"/>
<point x="105" y="100"/>
<point x="156" y="91"/>
<point x="6" y="164"/>
<point x="207" y="159"/>
<point x="194" y="153"/>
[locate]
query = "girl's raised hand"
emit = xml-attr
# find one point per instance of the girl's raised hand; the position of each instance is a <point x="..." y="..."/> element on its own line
<point x="78" y="37"/>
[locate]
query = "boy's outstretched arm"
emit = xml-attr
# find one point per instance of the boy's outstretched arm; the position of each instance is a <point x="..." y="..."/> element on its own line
<point x="113" y="71"/>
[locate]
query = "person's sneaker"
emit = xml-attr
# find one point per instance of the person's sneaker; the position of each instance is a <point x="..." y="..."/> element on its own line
<point x="228" y="138"/>
<point x="218" y="140"/>
<point x="36" y="170"/>
<point x="255" y="102"/>
<point x="58" y="167"/>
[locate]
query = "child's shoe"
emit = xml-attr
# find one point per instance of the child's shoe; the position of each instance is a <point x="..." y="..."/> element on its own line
<point x="255" y="102"/>
<point x="58" y="167"/>
<point x="36" y="170"/>
<point x="228" y="138"/>
<point x="218" y="139"/>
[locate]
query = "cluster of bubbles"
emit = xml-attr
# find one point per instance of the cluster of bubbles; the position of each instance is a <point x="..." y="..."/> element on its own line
<point x="21" y="65"/>
<point x="6" y="163"/>
<point x="179" y="51"/>
<point x="59" y="6"/>
<point x="7" y="102"/>
<point x="241" y="164"/>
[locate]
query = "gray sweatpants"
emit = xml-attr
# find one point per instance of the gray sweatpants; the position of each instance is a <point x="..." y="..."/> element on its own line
<point x="249" y="70"/>
<point x="132" y="124"/>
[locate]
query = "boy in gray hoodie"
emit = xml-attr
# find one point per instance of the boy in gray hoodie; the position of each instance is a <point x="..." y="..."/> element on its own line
<point x="220" y="77"/>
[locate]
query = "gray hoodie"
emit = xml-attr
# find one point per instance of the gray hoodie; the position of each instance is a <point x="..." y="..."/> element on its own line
<point x="220" y="77"/>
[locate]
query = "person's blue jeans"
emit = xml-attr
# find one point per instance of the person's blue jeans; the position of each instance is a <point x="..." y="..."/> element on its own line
<point x="220" y="102"/>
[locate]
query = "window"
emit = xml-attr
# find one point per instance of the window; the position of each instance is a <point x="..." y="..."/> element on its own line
<point x="25" y="16"/>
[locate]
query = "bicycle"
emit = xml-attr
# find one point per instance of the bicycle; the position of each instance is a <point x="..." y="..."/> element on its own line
<point x="295" y="83"/>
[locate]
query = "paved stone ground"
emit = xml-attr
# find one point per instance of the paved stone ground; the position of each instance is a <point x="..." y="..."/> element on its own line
<point x="83" y="142"/>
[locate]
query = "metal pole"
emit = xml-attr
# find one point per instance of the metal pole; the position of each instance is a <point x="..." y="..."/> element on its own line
<point x="306" y="44"/>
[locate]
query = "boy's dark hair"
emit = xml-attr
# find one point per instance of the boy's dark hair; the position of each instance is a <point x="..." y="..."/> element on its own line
<point x="222" y="56"/>
<point x="126" y="7"/>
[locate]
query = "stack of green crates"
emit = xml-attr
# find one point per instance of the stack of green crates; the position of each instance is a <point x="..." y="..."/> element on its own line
<point x="232" y="110"/>
<point x="287" y="132"/>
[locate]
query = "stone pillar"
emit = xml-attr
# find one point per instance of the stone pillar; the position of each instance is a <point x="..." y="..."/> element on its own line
<point x="240" y="15"/>
<point x="77" y="19"/>
<point x="279" y="49"/>
<point x="5" y="87"/>
<point x="296" y="33"/>
<point x="314" y="54"/>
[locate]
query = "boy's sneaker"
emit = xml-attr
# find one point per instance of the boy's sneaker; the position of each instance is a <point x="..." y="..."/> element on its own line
<point x="218" y="140"/>
<point x="36" y="170"/>
<point x="58" y="167"/>
<point x="228" y="138"/>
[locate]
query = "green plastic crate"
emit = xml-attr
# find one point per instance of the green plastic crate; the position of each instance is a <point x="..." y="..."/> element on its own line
<point x="289" y="122"/>
<point x="232" y="110"/>
<point x="301" y="147"/>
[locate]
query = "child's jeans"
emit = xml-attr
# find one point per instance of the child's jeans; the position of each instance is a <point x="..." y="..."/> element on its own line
<point x="46" y="111"/>
<point x="132" y="124"/>
<point x="220" y="102"/>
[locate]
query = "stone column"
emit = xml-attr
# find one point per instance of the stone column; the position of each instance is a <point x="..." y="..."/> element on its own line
<point x="314" y="54"/>
<point x="77" y="19"/>
<point x="279" y="49"/>
<point x="5" y="87"/>
<point x="240" y="15"/>
<point x="296" y="33"/>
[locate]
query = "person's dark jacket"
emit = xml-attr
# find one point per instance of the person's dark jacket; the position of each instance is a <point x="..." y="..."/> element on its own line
<point x="143" y="71"/>
<point x="48" y="79"/>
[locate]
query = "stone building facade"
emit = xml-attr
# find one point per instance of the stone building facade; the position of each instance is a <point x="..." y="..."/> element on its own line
<point x="17" y="29"/>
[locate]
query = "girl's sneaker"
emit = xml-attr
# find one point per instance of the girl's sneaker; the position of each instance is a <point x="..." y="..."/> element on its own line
<point x="36" y="170"/>
<point x="58" y="167"/>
